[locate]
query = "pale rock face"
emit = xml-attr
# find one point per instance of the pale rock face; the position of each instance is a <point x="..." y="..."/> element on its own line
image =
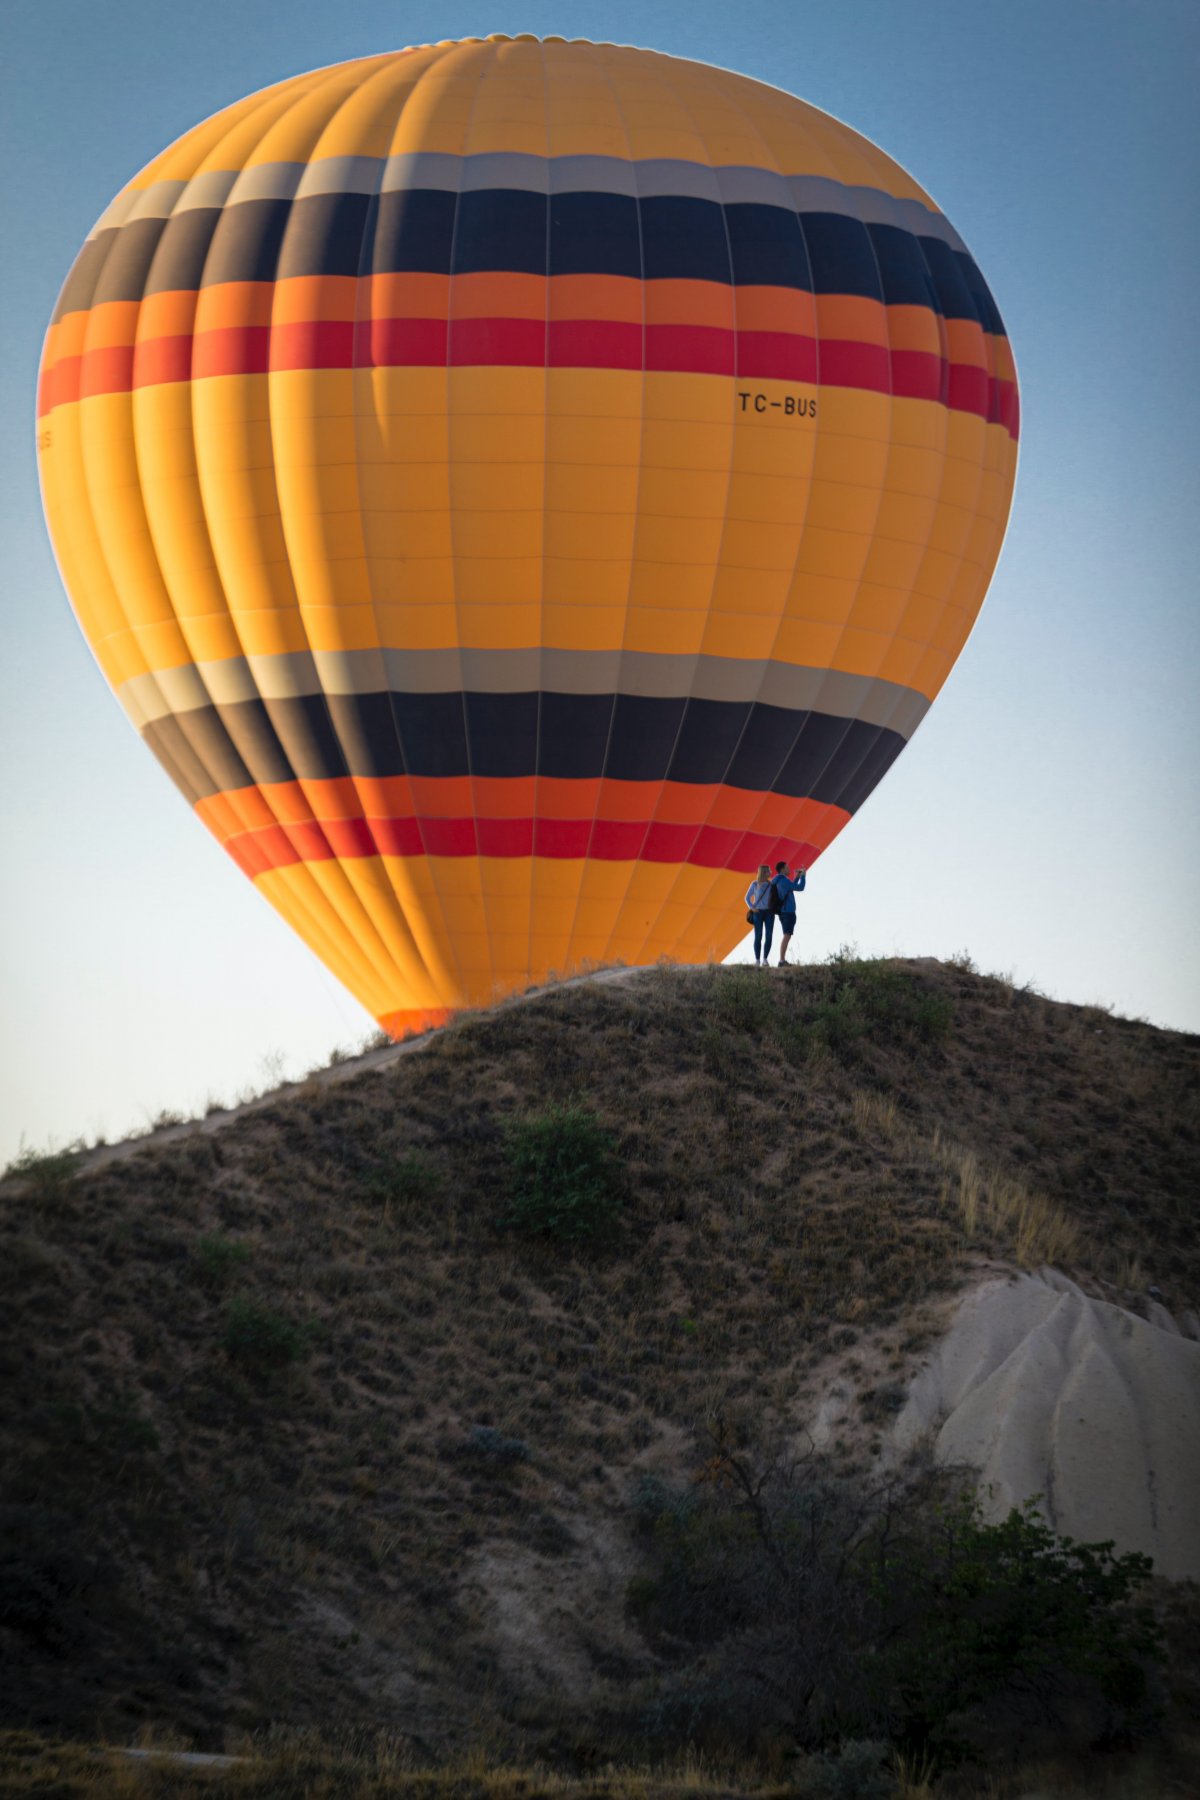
<point x="1049" y="1393"/>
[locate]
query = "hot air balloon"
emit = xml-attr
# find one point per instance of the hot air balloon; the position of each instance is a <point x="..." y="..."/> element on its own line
<point x="515" y="487"/>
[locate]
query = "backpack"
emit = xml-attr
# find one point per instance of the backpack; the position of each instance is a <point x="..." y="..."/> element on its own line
<point x="772" y="900"/>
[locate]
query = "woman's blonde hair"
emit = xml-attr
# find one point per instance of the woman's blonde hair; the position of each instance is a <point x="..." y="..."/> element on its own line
<point x="763" y="872"/>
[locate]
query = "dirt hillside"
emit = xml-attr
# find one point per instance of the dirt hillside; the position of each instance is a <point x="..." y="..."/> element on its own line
<point x="304" y="1431"/>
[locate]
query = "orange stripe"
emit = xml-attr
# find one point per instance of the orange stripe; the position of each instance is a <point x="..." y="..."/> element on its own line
<point x="65" y="339"/>
<point x="967" y="343"/>
<point x="168" y="315"/>
<point x="305" y="297"/>
<point x="112" y="325"/>
<point x="689" y="303"/>
<point x="617" y="297"/>
<point x="846" y="317"/>
<point x="912" y="328"/>
<point x="773" y="813"/>
<point x="406" y="297"/>
<point x="500" y="295"/>
<point x="300" y="300"/>
<point x="233" y="303"/>
<point x="776" y="309"/>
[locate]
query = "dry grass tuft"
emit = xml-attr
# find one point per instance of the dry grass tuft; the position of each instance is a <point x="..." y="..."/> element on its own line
<point x="996" y="1209"/>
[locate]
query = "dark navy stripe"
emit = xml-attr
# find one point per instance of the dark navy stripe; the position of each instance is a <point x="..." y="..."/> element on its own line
<point x="766" y="749"/>
<point x="184" y="248"/>
<point x="122" y="274"/>
<point x="429" y="231"/>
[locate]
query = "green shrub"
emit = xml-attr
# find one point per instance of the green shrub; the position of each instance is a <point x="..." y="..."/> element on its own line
<point x="403" y="1180"/>
<point x="798" y="1599"/>
<point x="488" y="1445"/>
<point x="841" y="1020"/>
<point x="219" y="1259"/>
<point x="261" y="1341"/>
<point x="870" y="998"/>
<point x="745" y="1000"/>
<point x="564" y="1180"/>
<point x="971" y="1610"/>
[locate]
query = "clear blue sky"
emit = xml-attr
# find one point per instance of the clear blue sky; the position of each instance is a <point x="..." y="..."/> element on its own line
<point x="1045" y="816"/>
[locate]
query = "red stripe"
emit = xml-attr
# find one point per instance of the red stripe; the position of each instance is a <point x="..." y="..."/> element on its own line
<point x="595" y="344"/>
<point x="106" y="371"/>
<point x="779" y="355"/>
<point x="561" y="837"/>
<point x="401" y="343"/>
<point x="843" y="364"/>
<point x="163" y="359"/>
<point x="516" y="343"/>
<point x="1004" y="406"/>
<point x="313" y="344"/>
<point x="605" y="840"/>
<point x="58" y="384"/>
<point x="698" y="349"/>
<point x="532" y="343"/>
<point x="920" y="375"/>
<point x="967" y="389"/>
<point x="232" y="350"/>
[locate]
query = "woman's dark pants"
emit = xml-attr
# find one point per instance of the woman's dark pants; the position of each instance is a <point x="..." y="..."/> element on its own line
<point x="764" y="930"/>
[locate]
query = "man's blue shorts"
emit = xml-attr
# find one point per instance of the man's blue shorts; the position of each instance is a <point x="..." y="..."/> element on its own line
<point x="787" y="923"/>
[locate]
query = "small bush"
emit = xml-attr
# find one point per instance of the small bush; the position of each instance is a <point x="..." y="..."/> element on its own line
<point x="745" y="1000"/>
<point x="219" y="1259"/>
<point x="564" y="1181"/>
<point x="490" y="1445"/>
<point x="48" y="1172"/>
<point x="841" y="1020"/>
<point x="260" y="1341"/>
<point x="403" y="1180"/>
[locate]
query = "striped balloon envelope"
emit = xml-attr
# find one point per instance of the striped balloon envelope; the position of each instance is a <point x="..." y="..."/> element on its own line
<point x="515" y="488"/>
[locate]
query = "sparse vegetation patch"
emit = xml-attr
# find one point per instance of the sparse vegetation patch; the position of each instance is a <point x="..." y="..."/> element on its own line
<point x="45" y="1173"/>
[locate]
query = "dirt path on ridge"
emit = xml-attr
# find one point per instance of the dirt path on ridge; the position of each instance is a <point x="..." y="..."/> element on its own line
<point x="371" y="1062"/>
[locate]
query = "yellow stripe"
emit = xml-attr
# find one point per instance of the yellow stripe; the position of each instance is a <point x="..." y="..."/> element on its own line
<point x="830" y="532"/>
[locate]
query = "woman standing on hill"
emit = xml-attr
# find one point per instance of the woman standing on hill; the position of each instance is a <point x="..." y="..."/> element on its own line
<point x="759" y="914"/>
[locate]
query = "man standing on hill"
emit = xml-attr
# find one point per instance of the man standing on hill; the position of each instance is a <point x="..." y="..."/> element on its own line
<point x="787" y="889"/>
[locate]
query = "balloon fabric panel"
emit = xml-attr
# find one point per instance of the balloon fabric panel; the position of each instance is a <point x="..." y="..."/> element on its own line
<point x="515" y="488"/>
